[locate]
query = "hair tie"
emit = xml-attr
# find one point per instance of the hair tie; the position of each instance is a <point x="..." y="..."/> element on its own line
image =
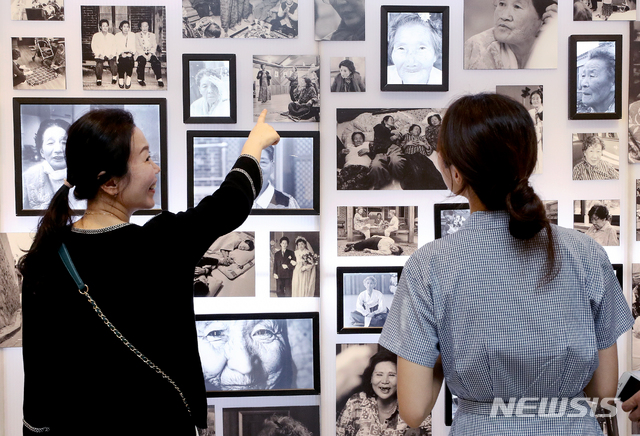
<point x="67" y="184"/>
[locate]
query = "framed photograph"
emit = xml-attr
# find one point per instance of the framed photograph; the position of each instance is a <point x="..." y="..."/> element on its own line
<point x="449" y="217"/>
<point x="260" y="354"/>
<point x="340" y="20"/>
<point x="289" y="86"/>
<point x="377" y="230"/>
<point x="388" y="149"/>
<point x="634" y="92"/>
<point x="494" y="40"/>
<point x="369" y="371"/>
<point x="290" y="170"/>
<point x="227" y="268"/>
<point x="40" y="133"/>
<point x="271" y="19"/>
<point x="414" y="48"/>
<point x="26" y="10"/>
<point x="348" y="74"/>
<point x="209" y="88"/>
<point x="365" y="295"/>
<point x="595" y="77"/>
<point x="295" y="260"/>
<point x="596" y="156"/>
<point x="260" y="420"/>
<point x="39" y="63"/>
<point x="124" y="40"/>
<point x="599" y="219"/>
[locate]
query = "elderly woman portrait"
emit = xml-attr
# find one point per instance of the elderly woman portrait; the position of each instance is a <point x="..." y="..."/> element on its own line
<point x="601" y="229"/>
<point x="348" y="79"/>
<point x="592" y="166"/>
<point x="523" y="35"/>
<point x="370" y="308"/>
<point x="214" y="95"/>
<point x="373" y="408"/>
<point x="414" y="47"/>
<point x="43" y="179"/>
<point x="597" y="81"/>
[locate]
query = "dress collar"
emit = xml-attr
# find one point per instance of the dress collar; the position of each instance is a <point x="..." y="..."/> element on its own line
<point x="487" y="219"/>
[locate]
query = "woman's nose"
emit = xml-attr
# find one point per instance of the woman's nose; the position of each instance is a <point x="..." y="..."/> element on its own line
<point x="239" y="357"/>
<point x="157" y="167"/>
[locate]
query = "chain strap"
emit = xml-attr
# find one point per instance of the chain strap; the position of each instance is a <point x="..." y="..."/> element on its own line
<point x="129" y="345"/>
<point x="35" y="429"/>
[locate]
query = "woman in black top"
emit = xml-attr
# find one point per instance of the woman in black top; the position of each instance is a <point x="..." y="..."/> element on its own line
<point x="79" y="377"/>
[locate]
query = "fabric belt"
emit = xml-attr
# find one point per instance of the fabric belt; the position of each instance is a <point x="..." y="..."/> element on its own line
<point x="532" y="407"/>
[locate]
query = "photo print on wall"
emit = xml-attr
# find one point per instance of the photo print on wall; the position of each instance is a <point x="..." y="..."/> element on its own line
<point x="634" y="92"/>
<point x="28" y="10"/>
<point x="124" y="39"/>
<point x="340" y="20"/>
<point x="227" y="268"/>
<point x="300" y="420"/>
<point x="295" y="259"/>
<point x="551" y="207"/>
<point x="607" y="10"/>
<point x="531" y="97"/>
<point x="596" y="156"/>
<point x="209" y="88"/>
<point x="348" y="74"/>
<point x="377" y="230"/>
<point x="265" y="19"/>
<point x="288" y="86"/>
<point x="499" y="38"/>
<point x="39" y="63"/>
<point x="388" y="149"/>
<point x="449" y="217"/>
<point x="598" y="219"/>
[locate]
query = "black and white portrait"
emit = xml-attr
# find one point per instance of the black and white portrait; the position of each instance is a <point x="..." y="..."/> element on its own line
<point x="40" y="146"/>
<point x="377" y="231"/>
<point x="604" y="10"/>
<point x="211" y="422"/>
<point x="227" y="268"/>
<point x="635" y="310"/>
<point x="288" y="86"/>
<point x="510" y="34"/>
<point x="531" y="97"/>
<point x="596" y="156"/>
<point x="365" y="295"/>
<point x="272" y="421"/>
<point x="265" y="19"/>
<point x="295" y="260"/>
<point x="596" y="77"/>
<point x="450" y="218"/>
<point x="551" y="206"/>
<point x="348" y="74"/>
<point x="290" y="171"/>
<point x="366" y="385"/>
<point x="598" y="219"/>
<point x="634" y="92"/>
<point x="340" y="20"/>
<point x="124" y="40"/>
<point x="39" y="63"/>
<point x="637" y="209"/>
<point x="12" y="248"/>
<point x="260" y="352"/>
<point x="209" y="88"/>
<point x="37" y="10"/>
<point x="388" y="149"/>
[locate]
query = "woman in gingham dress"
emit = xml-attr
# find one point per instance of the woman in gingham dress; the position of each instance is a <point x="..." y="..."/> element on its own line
<point x="510" y="307"/>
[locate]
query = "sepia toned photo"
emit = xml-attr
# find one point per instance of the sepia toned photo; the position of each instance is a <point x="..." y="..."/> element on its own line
<point x="348" y="74"/>
<point x="37" y="10"/>
<point x="598" y="219"/>
<point x="510" y="34"/>
<point x="388" y="149"/>
<point x="39" y="63"/>
<point x="596" y="156"/>
<point x="295" y="259"/>
<point x="340" y="20"/>
<point x="264" y="19"/>
<point x="272" y="421"/>
<point x="124" y="40"/>
<point x="377" y="231"/>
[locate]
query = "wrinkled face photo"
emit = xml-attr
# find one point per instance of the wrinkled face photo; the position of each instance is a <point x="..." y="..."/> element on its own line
<point x="243" y="354"/>
<point x="516" y="21"/>
<point x="384" y="380"/>
<point x="413" y="53"/>
<point x="593" y="154"/>
<point x="54" y="141"/>
<point x="595" y="83"/>
<point x="209" y="89"/>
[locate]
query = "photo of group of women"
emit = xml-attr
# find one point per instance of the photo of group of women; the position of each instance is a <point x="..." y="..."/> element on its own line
<point x="288" y="87"/>
<point x="39" y="63"/>
<point x="295" y="260"/>
<point x="598" y="219"/>
<point x="12" y="247"/>
<point x="388" y="149"/>
<point x="377" y="231"/>
<point x="366" y="393"/>
<point x="596" y="156"/>
<point x="272" y="421"/>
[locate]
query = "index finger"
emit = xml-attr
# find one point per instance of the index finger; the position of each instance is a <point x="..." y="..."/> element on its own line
<point x="262" y="116"/>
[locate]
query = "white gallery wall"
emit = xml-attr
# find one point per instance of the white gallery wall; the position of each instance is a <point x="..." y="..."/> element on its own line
<point x="554" y="184"/>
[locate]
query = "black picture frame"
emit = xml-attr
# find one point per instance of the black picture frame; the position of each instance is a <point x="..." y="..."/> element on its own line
<point x="438" y="210"/>
<point x="27" y="112"/>
<point x="305" y="340"/>
<point x="386" y="73"/>
<point x="306" y="193"/>
<point x="578" y="109"/>
<point x="191" y="65"/>
<point x="341" y="273"/>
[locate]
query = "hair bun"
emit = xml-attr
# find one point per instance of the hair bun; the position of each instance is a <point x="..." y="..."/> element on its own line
<point x="528" y="215"/>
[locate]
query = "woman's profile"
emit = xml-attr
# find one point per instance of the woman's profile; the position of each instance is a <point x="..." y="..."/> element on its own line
<point x="501" y="307"/>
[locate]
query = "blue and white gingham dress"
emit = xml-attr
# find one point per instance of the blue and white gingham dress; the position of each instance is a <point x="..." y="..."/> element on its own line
<point x="473" y="297"/>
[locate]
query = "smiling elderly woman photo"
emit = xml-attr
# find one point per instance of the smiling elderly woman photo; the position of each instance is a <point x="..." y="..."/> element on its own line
<point x="522" y="35"/>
